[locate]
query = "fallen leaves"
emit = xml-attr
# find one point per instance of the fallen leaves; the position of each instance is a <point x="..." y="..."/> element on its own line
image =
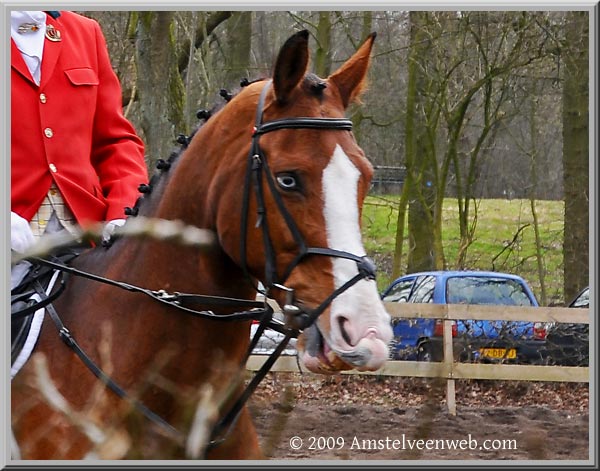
<point x="409" y="392"/>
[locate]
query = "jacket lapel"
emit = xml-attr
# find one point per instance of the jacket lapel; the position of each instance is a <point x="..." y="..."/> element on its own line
<point x="52" y="51"/>
<point x="17" y="62"/>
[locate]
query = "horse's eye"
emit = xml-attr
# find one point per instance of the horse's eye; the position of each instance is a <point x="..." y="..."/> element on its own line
<point x="288" y="181"/>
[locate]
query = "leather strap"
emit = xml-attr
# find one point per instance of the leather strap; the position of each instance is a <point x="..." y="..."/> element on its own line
<point x="69" y="340"/>
<point x="27" y="311"/>
<point x="179" y="301"/>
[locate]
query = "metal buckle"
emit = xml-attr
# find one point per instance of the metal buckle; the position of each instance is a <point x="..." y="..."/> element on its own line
<point x="295" y="317"/>
<point x="367" y="268"/>
<point x="65" y="336"/>
<point x="166" y="296"/>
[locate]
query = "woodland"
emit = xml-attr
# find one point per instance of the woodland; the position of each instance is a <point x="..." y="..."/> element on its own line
<point x="471" y="104"/>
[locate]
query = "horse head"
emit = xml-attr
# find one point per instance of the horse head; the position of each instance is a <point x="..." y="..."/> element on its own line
<point x="296" y="173"/>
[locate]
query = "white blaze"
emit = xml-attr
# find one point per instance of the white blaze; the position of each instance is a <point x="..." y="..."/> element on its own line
<point x="340" y="191"/>
<point x="359" y="307"/>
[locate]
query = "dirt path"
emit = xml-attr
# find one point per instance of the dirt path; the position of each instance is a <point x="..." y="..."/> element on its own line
<point x="300" y="418"/>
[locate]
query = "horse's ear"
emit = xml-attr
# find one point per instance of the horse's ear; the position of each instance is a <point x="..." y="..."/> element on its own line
<point x="291" y="65"/>
<point x="350" y="78"/>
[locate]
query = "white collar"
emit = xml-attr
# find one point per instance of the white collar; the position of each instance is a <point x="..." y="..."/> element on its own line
<point x="31" y="43"/>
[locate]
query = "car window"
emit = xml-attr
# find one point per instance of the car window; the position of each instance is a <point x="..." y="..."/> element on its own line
<point x="484" y="290"/>
<point x="423" y="289"/>
<point x="399" y="292"/>
<point x="583" y="300"/>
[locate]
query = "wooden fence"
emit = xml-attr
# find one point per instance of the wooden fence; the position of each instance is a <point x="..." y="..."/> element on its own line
<point x="452" y="370"/>
<point x="387" y="179"/>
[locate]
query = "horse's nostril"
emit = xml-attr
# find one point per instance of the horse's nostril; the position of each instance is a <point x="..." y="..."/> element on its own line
<point x="342" y="323"/>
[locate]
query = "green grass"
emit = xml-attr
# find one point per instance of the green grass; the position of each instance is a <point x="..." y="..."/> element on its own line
<point x="498" y="244"/>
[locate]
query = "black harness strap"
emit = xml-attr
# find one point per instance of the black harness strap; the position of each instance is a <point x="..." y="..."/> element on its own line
<point x="177" y="300"/>
<point x="30" y="309"/>
<point x="228" y="421"/>
<point x="167" y="429"/>
<point x="256" y="166"/>
<point x="69" y="340"/>
<point x="340" y="124"/>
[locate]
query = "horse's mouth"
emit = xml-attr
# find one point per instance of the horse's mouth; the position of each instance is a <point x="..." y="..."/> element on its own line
<point x="317" y="354"/>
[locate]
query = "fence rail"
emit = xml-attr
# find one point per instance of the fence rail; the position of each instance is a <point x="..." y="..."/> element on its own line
<point x="388" y="179"/>
<point x="452" y="370"/>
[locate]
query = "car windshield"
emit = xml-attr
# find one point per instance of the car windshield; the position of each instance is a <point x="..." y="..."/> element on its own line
<point x="399" y="292"/>
<point x="583" y="300"/>
<point x="484" y="290"/>
<point x="423" y="290"/>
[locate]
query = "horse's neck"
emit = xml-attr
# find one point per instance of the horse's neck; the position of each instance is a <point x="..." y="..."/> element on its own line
<point x="169" y="266"/>
<point x="184" y="193"/>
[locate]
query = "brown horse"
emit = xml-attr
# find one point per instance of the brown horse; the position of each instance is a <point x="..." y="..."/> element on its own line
<point x="279" y="178"/>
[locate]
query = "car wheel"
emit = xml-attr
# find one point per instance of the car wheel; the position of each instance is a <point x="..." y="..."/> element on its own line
<point x="426" y="352"/>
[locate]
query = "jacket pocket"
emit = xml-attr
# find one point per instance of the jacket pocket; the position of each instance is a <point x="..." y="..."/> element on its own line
<point x="82" y="76"/>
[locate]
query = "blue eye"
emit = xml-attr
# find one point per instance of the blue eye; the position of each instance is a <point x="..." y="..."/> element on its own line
<point x="288" y="181"/>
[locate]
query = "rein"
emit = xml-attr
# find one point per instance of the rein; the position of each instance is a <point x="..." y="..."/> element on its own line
<point x="297" y="318"/>
<point x="261" y="311"/>
<point x="176" y="300"/>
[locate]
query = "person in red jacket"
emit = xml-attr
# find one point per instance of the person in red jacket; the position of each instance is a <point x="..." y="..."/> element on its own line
<point x="75" y="158"/>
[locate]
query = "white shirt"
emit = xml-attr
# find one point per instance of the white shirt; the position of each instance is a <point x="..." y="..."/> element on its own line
<point x="30" y="43"/>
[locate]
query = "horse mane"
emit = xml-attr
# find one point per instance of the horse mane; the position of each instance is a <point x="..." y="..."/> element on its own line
<point x="159" y="178"/>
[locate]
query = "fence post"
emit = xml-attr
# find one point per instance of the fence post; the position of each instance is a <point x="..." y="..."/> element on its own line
<point x="449" y="361"/>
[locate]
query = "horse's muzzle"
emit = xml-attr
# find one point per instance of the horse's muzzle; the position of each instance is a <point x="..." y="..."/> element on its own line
<point x="317" y="354"/>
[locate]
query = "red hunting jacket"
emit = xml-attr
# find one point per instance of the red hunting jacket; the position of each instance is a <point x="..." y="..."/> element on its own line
<point x="71" y="128"/>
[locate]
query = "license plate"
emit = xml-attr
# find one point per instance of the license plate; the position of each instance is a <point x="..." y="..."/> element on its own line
<point x="498" y="353"/>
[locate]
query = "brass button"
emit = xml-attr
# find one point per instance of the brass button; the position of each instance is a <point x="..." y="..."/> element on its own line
<point x="48" y="132"/>
<point x="43" y="97"/>
<point x="53" y="168"/>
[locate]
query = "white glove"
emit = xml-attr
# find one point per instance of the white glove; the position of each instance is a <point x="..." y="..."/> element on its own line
<point x="21" y="236"/>
<point x="109" y="228"/>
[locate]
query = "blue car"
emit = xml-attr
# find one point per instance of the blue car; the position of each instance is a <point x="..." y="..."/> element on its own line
<point x="475" y="340"/>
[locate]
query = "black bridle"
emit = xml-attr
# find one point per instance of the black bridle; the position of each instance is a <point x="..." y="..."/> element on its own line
<point x="258" y="166"/>
<point x="297" y="318"/>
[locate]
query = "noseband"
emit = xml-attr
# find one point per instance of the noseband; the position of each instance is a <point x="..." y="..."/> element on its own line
<point x="299" y="318"/>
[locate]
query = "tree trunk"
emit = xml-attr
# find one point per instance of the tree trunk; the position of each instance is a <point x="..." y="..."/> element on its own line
<point x="239" y="40"/>
<point x="533" y="152"/>
<point x="420" y="157"/>
<point x="323" y="51"/>
<point x="367" y="25"/>
<point x="401" y="222"/>
<point x="205" y="27"/>
<point x="576" y="153"/>
<point x="159" y="84"/>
